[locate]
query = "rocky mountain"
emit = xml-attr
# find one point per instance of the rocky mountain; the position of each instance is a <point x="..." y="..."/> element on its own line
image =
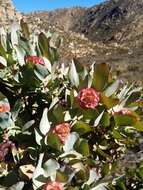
<point x="63" y="19"/>
<point x="112" y="21"/>
<point x="111" y="31"/>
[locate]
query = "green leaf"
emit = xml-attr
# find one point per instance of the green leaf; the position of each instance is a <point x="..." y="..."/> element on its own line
<point x="38" y="137"/>
<point x="140" y="172"/>
<point x="112" y="88"/>
<point x="44" y="45"/>
<point x="3" y="39"/>
<point x="27" y="75"/>
<point x="89" y="114"/>
<point x="105" y="120"/>
<point x="93" y="175"/>
<point x="44" y="123"/>
<point x="104" y="154"/>
<point x="72" y="188"/>
<point x="55" y="100"/>
<point x="50" y="167"/>
<point x="73" y="75"/>
<point x="59" y="113"/>
<point x="14" y="35"/>
<point x="121" y="185"/>
<point x="83" y="148"/>
<point x="105" y="169"/>
<point x="138" y="126"/>
<point x="53" y="141"/>
<point x="101" y="186"/>
<point x="32" y="153"/>
<point x="27" y="125"/>
<point x="97" y="121"/>
<point x="82" y="128"/>
<point x="72" y="98"/>
<point x="10" y="179"/>
<point x="41" y="71"/>
<point x="3" y="61"/>
<point x="86" y="187"/>
<point x="61" y="176"/>
<point x="81" y="176"/>
<point x="41" y="179"/>
<point x="17" y="186"/>
<point x="70" y="141"/>
<point x="125" y="120"/>
<point x="116" y="134"/>
<point x="5" y="120"/>
<point x="16" y="109"/>
<point x="47" y="64"/>
<point x="100" y="76"/>
<point x="20" y="54"/>
<point x="108" y="101"/>
<point x="38" y="171"/>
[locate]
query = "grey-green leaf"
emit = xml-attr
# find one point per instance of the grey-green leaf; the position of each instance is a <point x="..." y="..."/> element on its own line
<point x="50" y="167"/>
<point x="44" y="123"/>
<point x="70" y="141"/>
<point x="73" y="75"/>
<point x="38" y="137"/>
<point x="17" y="186"/>
<point x="97" y="121"/>
<point x="112" y="88"/>
<point x="3" y="61"/>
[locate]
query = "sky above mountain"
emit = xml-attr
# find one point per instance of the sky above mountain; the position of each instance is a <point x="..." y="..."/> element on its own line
<point x="32" y="5"/>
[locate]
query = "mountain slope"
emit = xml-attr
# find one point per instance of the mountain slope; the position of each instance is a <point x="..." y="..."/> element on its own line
<point x="118" y="21"/>
<point x="114" y="20"/>
<point x="111" y="32"/>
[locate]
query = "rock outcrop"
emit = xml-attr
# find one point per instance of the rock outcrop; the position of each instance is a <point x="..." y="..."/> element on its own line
<point x="8" y="13"/>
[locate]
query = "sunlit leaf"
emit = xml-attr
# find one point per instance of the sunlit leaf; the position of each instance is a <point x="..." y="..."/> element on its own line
<point x="109" y="102"/>
<point x="97" y="121"/>
<point x="38" y="171"/>
<point x="44" y="123"/>
<point x="70" y="141"/>
<point x="112" y="88"/>
<point x="50" y="167"/>
<point x="38" y="137"/>
<point x="3" y="61"/>
<point x="100" y="76"/>
<point x="73" y="75"/>
<point x="82" y="128"/>
<point x="83" y="147"/>
<point x="125" y="120"/>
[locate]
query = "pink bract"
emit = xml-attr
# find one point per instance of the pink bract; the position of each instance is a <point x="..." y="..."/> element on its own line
<point x="35" y="60"/>
<point x="53" y="186"/>
<point x="88" y="98"/>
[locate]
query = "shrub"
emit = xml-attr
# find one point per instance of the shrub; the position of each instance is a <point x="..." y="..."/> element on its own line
<point x="62" y="126"/>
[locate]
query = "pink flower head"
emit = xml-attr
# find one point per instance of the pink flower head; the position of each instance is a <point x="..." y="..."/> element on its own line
<point x="123" y="111"/>
<point x="53" y="186"/>
<point x="62" y="130"/>
<point x="4" y="107"/>
<point x="35" y="60"/>
<point x="88" y="98"/>
<point x="4" y="149"/>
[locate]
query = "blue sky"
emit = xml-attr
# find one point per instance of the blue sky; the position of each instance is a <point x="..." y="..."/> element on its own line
<point x="32" y="5"/>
